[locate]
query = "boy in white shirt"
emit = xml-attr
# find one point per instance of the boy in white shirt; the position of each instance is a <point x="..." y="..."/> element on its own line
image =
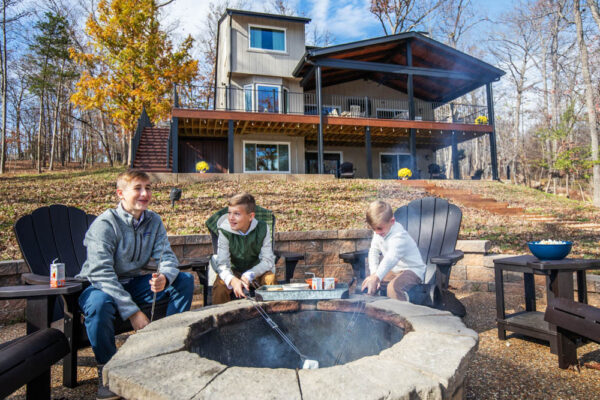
<point x="394" y="257"/>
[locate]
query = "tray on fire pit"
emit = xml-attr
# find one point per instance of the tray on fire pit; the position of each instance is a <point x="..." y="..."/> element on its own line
<point x="264" y="294"/>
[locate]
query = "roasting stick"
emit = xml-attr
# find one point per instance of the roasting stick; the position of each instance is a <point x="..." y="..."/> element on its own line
<point x="154" y="297"/>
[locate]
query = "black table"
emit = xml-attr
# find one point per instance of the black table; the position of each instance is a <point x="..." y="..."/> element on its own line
<point x="559" y="283"/>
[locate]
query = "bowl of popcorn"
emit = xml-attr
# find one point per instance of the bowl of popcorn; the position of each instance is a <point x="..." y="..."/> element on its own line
<point x="549" y="249"/>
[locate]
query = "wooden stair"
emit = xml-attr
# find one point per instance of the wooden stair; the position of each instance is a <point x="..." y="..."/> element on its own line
<point x="151" y="155"/>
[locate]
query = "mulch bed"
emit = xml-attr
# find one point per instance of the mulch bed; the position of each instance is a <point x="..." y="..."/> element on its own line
<point x="511" y="369"/>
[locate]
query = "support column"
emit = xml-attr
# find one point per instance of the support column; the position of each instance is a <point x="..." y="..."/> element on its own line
<point x="368" y="151"/>
<point x="320" y="111"/>
<point x="492" y="122"/>
<point x="230" y="146"/>
<point x="412" y="141"/>
<point x="455" y="167"/>
<point x="175" y="134"/>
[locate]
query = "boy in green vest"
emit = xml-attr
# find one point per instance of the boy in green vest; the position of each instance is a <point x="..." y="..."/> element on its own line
<point x="245" y="252"/>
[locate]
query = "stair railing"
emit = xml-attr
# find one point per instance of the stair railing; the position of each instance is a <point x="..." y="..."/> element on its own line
<point x="143" y="123"/>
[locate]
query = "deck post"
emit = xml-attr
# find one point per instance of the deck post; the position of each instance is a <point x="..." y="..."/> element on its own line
<point x="455" y="166"/>
<point x="412" y="140"/>
<point x="230" y="146"/>
<point x="368" y="150"/>
<point x="492" y="122"/>
<point x="320" y="111"/>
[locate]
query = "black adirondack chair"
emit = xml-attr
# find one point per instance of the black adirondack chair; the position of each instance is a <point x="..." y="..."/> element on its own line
<point x="261" y="214"/>
<point x="573" y="320"/>
<point x="347" y="170"/>
<point x="434" y="224"/>
<point x="27" y="360"/>
<point x="54" y="232"/>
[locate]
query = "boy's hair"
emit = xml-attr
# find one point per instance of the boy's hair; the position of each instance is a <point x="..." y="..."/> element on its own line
<point x="244" y="199"/>
<point x="125" y="177"/>
<point x="379" y="212"/>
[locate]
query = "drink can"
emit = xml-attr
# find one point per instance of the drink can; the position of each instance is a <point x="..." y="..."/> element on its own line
<point x="57" y="274"/>
<point x="329" y="283"/>
<point x="316" y="284"/>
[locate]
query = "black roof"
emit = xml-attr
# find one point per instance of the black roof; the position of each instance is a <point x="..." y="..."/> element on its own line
<point x="231" y="11"/>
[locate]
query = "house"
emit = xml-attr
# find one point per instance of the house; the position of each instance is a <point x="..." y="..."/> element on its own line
<point x="280" y="106"/>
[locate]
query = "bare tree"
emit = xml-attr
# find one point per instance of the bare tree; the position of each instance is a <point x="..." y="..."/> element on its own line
<point x="398" y="16"/>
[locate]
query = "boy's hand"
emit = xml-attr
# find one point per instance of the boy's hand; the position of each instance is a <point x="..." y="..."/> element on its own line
<point x="238" y="287"/>
<point x="158" y="282"/>
<point x="372" y="284"/>
<point x="139" y="320"/>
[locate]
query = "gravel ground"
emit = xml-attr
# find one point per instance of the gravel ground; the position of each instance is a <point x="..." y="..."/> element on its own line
<point x="511" y="369"/>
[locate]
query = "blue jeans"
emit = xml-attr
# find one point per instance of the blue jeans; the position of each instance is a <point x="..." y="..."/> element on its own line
<point x="100" y="309"/>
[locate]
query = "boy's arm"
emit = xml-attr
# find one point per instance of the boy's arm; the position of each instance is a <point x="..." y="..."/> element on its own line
<point x="397" y="246"/>
<point x="374" y="254"/>
<point x="223" y="260"/>
<point x="168" y="263"/>
<point x="101" y="244"/>
<point x="266" y="259"/>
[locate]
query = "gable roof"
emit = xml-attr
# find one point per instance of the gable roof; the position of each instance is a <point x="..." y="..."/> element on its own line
<point x="440" y="74"/>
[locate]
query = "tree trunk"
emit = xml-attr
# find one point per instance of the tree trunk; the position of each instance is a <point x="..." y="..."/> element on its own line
<point x="104" y="140"/>
<point x="130" y="148"/>
<point x="39" y="138"/>
<point x="4" y="89"/>
<point x="55" y="126"/>
<point x="589" y="101"/>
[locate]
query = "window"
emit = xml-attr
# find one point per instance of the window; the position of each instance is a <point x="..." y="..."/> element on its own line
<point x="266" y="157"/>
<point x="248" y="95"/>
<point x="267" y="98"/>
<point x="267" y="38"/>
<point x="390" y="163"/>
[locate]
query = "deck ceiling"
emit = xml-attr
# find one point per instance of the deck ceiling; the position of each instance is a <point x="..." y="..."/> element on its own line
<point x="392" y="50"/>
<point x="337" y="131"/>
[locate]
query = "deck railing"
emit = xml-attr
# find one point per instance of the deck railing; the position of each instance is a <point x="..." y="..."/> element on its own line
<point x="279" y="100"/>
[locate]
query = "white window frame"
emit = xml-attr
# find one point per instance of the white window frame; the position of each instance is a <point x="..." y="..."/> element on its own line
<point x="389" y="110"/>
<point x="254" y="88"/>
<point x="252" y="91"/>
<point x="289" y="144"/>
<point x="390" y="154"/>
<point x="276" y="28"/>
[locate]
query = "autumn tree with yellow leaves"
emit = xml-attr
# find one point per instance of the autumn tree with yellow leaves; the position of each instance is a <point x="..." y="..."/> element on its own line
<point x="131" y="64"/>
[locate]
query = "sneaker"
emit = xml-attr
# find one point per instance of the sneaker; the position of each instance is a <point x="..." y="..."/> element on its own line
<point x="103" y="392"/>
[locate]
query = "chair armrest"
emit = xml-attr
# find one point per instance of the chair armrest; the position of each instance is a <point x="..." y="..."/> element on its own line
<point x="354" y="255"/>
<point x="26" y="291"/>
<point x="35" y="279"/>
<point x="448" y="259"/>
<point x="289" y="255"/>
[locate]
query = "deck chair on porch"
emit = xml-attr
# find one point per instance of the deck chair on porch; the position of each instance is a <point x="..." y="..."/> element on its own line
<point x="434" y="224"/>
<point x="57" y="232"/>
<point x="261" y="214"/>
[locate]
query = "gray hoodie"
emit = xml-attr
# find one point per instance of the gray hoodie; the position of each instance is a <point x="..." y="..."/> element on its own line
<point x="117" y="251"/>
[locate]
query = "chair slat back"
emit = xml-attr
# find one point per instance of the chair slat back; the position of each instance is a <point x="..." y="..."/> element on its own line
<point x="53" y="232"/>
<point x="433" y="223"/>
<point x="261" y="214"/>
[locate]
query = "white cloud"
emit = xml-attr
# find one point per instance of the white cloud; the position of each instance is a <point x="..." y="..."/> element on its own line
<point x="347" y="22"/>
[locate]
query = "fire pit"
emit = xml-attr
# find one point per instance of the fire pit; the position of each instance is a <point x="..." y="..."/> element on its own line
<point x="395" y="350"/>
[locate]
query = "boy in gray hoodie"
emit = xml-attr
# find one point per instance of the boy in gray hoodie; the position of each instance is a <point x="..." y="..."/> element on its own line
<point x="119" y="243"/>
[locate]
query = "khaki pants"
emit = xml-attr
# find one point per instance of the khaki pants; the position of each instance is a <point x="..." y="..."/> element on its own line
<point x="399" y="284"/>
<point x="221" y="294"/>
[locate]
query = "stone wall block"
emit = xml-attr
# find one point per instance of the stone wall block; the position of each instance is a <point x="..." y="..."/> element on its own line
<point x="339" y="246"/>
<point x="474" y="246"/>
<point x="192" y="251"/>
<point x="458" y="272"/>
<point x="177" y="240"/>
<point x="355" y="234"/>
<point x="480" y="274"/>
<point x="321" y="258"/>
<point x="343" y="272"/>
<point x="198" y="239"/>
<point x="540" y="280"/>
<point x="299" y="273"/>
<point x="178" y="250"/>
<point x="282" y="245"/>
<point x="306" y="246"/>
<point x="471" y="259"/>
<point x="362" y="244"/>
<point x="510" y="276"/>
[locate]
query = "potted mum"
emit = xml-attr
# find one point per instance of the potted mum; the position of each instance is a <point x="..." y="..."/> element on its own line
<point x="202" y="167"/>
<point x="404" y="173"/>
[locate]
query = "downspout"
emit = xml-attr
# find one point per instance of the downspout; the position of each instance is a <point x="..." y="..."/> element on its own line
<point x="230" y="60"/>
<point x="216" y="67"/>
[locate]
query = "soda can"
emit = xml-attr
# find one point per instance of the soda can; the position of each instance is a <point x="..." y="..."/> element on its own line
<point x="317" y="284"/>
<point x="57" y="274"/>
<point x="329" y="283"/>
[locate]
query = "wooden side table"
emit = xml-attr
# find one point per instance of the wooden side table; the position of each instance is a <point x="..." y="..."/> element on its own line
<point x="559" y="283"/>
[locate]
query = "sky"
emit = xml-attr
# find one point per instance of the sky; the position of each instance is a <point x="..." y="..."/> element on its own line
<point x="347" y="20"/>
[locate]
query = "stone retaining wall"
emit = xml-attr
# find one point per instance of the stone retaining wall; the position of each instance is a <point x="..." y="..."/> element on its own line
<point x="475" y="272"/>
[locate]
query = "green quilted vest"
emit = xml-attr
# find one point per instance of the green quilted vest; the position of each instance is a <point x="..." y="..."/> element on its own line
<point x="245" y="249"/>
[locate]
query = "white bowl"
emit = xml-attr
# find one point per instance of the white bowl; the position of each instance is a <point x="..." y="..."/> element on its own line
<point x="295" y="286"/>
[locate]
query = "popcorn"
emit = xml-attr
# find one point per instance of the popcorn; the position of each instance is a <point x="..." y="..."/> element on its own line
<point x="550" y="241"/>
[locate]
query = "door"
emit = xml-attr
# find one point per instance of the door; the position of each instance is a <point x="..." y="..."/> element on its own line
<point x="391" y="163"/>
<point x="331" y="163"/>
<point x="213" y="151"/>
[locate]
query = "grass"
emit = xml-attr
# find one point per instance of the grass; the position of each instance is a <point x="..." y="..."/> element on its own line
<point x="299" y="206"/>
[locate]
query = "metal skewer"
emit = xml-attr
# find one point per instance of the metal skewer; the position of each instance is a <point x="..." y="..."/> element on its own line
<point x="154" y="297"/>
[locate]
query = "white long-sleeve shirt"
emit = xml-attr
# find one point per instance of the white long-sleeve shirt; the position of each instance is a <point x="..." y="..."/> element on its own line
<point x="395" y="252"/>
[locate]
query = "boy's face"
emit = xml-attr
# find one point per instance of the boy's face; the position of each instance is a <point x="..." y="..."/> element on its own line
<point x="239" y="218"/>
<point x="383" y="228"/>
<point x="136" y="196"/>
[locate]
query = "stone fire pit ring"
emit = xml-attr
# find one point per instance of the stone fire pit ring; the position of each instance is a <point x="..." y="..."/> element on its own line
<point x="428" y="363"/>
